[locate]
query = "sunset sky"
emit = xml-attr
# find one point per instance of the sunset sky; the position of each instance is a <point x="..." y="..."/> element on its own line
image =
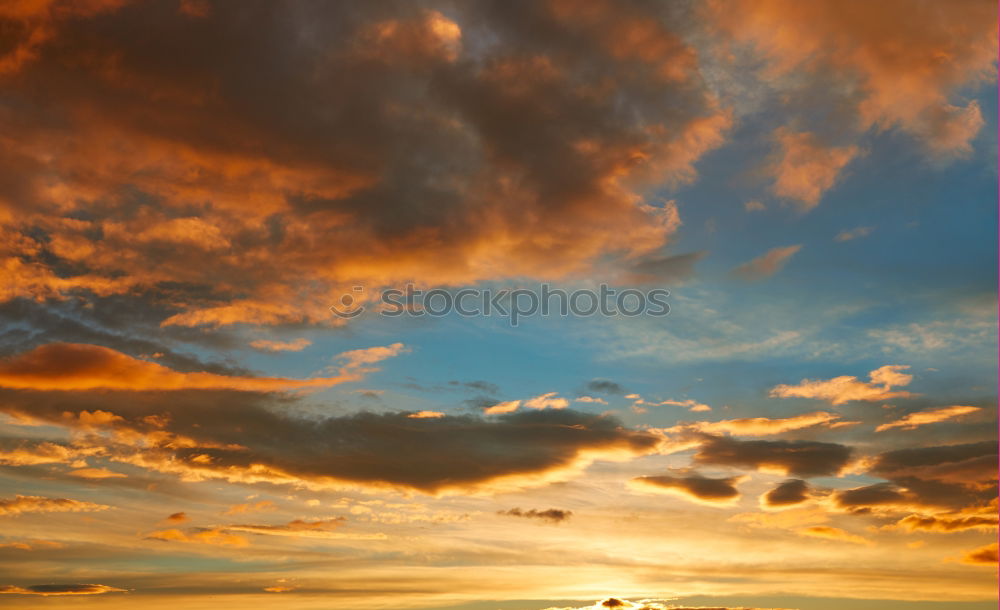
<point x="187" y="187"/>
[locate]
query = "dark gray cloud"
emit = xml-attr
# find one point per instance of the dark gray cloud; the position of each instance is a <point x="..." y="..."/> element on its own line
<point x="554" y="515"/>
<point x="941" y="477"/>
<point x="605" y="386"/>
<point x="797" y="458"/>
<point x="696" y="485"/>
<point x="70" y="589"/>
<point x="789" y="493"/>
<point x="235" y="434"/>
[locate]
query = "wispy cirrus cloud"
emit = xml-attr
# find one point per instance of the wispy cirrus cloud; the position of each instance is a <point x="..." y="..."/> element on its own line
<point x="929" y="416"/>
<point x="767" y="264"/>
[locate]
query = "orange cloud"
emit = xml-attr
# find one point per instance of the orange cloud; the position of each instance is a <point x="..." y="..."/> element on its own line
<point x="983" y="556"/>
<point x="945" y="523"/>
<point x="426" y="415"/>
<point x="762" y="426"/>
<point x="96" y="473"/>
<point x="503" y="407"/>
<point x="805" y="169"/>
<point x="177" y="518"/>
<point x="893" y="72"/>
<point x="305" y="202"/>
<point x="212" y="536"/>
<point x="840" y="390"/>
<point x="261" y="506"/>
<point x="930" y="416"/>
<point x="767" y="264"/>
<point x="38" y="504"/>
<point x="833" y="533"/>
<point x="39" y="453"/>
<point x="281" y="346"/>
<point x="76" y="367"/>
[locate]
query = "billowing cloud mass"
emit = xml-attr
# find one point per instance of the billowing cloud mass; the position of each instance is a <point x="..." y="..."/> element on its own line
<point x="692" y="486"/>
<point x="789" y="493"/>
<point x="390" y="146"/>
<point x="844" y="389"/>
<point x="61" y="589"/>
<point x="930" y="416"/>
<point x="37" y="504"/>
<point x="767" y="264"/>
<point x="796" y="458"/>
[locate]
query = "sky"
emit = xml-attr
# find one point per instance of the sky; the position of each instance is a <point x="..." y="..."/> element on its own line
<point x="205" y="400"/>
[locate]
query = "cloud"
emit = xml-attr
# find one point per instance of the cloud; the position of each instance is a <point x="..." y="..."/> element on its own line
<point x="944" y="524"/>
<point x="97" y="473"/>
<point x="360" y="359"/>
<point x="767" y="264"/>
<point x="293" y="201"/>
<point x="321" y="528"/>
<point x="689" y="404"/>
<point x="425" y="414"/>
<point x="789" y="493"/>
<point x="614" y="603"/>
<point x="210" y="536"/>
<point x="983" y="556"/>
<point x="177" y="518"/>
<point x="503" y="407"/>
<point x="930" y="416"/>
<point x="796" y="458"/>
<point x="692" y="486"/>
<point x="79" y="367"/>
<point x="762" y="426"/>
<point x="754" y="206"/>
<point x="194" y="439"/>
<point x="61" y="590"/>
<point x="955" y="477"/>
<point x="855" y="233"/>
<point x="31" y="454"/>
<point x="605" y="386"/>
<point x="840" y="390"/>
<point x="591" y="399"/>
<point x="20" y="505"/>
<point x="281" y="346"/>
<point x="833" y="533"/>
<point x="255" y="507"/>
<point x="548" y="400"/>
<point x="554" y="515"/>
<point x="971" y="463"/>
<point x="856" y="60"/>
<point x="793" y="518"/>
<point x="805" y="169"/>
